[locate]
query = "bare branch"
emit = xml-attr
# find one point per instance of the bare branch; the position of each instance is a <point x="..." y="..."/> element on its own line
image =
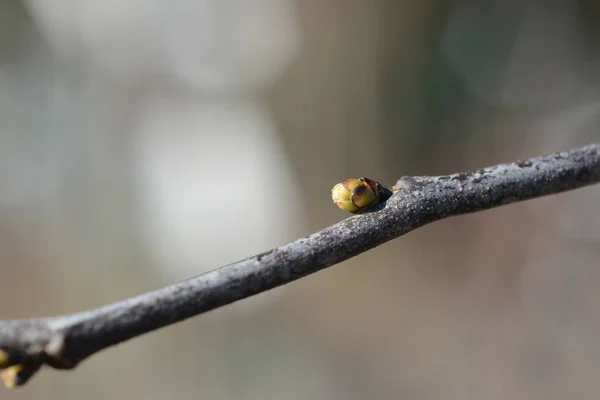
<point x="63" y="342"/>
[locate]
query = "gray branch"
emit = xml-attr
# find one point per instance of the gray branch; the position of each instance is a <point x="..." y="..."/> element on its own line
<point x="63" y="342"/>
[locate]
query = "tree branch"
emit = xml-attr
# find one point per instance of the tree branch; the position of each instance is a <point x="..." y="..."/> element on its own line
<point x="62" y="342"/>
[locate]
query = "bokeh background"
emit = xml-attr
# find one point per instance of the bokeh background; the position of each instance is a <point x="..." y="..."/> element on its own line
<point x="143" y="142"/>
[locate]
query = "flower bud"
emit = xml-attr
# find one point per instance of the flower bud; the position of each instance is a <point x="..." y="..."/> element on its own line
<point x="9" y="357"/>
<point x="10" y="376"/>
<point x="356" y="195"/>
<point x="4" y="359"/>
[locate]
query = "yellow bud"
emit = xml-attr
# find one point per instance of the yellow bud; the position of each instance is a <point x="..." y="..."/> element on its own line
<point x="342" y="198"/>
<point x="363" y="196"/>
<point x="10" y="376"/>
<point x="356" y="195"/>
<point x="4" y="358"/>
<point x="9" y="356"/>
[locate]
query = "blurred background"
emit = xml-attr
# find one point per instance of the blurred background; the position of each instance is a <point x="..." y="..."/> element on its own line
<point x="144" y="142"/>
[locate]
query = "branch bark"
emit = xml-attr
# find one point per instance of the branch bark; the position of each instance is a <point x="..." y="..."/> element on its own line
<point x="62" y="342"/>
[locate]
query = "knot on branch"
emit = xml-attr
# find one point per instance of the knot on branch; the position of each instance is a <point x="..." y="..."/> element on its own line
<point x="26" y="347"/>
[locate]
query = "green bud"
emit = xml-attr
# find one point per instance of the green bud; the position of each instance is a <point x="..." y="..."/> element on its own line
<point x="356" y="195"/>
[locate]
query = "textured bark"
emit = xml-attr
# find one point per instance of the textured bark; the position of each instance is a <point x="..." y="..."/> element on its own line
<point x="62" y="342"/>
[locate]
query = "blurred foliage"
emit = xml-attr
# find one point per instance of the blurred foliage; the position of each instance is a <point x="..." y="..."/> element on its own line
<point x="147" y="141"/>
